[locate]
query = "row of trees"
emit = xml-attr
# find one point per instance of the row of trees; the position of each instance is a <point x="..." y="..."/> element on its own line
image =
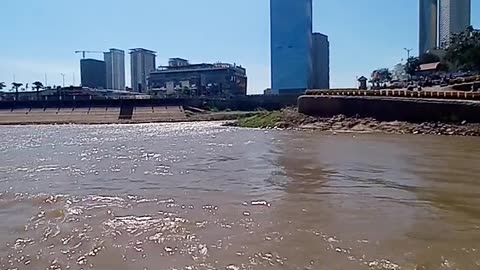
<point x="16" y="86"/>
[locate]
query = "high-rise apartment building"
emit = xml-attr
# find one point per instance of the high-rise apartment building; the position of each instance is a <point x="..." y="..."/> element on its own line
<point x="92" y="73"/>
<point x="440" y="19"/>
<point x="291" y="45"/>
<point x="142" y="62"/>
<point x="454" y="17"/>
<point x="321" y="62"/>
<point x="428" y="25"/>
<point x="115" y="69"/>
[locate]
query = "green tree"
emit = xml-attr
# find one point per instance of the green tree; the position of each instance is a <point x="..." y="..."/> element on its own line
<point x="16" y="86"/>
<point x="38" y="85"/>
<point x="413" y="63"/>
<point x="464" y="50"/>
<point x="2" y="85"/>
<point x="382" y="75"/>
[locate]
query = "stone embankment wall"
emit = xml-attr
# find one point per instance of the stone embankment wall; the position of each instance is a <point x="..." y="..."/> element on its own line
<point x="390" y="109"/>
<point x="93" y="115"/>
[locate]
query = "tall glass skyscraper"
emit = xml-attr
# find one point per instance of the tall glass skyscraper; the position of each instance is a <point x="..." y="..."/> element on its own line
<point x="428" y="25"/>
<point x="291" y="45"/>
<point x="455" y="17"/>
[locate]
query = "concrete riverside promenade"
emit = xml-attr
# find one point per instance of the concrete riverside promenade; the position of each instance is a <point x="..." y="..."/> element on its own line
<point x="112" y="111"/>
<point x="394" y="105"/>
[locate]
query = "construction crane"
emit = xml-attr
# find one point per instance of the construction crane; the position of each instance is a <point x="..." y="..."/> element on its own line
<point x="84" y="52"/>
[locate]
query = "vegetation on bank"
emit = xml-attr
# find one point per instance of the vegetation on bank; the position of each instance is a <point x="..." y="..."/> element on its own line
<point x="286" y="118"/>
<point x="464" y="50"/>
<point x="291" y="118"/>
<point x="261" y="120"/>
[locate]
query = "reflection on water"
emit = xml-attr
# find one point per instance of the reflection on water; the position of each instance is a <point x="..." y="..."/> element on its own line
<point x="201" y="196"/>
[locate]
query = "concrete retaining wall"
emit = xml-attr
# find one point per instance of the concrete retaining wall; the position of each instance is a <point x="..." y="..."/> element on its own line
<point x="242" y="103"/>
<point x="389" y="109"/>
<point x="94" y="115"/>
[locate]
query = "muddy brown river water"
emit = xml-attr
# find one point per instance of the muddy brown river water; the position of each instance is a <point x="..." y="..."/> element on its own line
<point x="200" y="196"/>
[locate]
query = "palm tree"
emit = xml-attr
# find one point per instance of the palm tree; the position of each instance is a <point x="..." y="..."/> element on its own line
<point x="16" y="86"/>
<point x="38" y="85"/>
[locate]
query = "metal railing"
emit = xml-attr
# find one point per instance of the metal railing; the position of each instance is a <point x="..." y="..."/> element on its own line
<point x="399" y="93"/>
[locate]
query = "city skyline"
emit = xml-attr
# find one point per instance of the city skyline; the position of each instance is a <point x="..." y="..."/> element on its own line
<point x="359" y="43"/>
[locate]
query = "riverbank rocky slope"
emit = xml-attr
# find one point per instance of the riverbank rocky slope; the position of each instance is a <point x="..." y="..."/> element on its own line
<point x="291" y="119"/>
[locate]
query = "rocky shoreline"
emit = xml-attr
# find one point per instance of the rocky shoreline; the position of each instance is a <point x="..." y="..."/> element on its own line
<point x="291" y="119"/>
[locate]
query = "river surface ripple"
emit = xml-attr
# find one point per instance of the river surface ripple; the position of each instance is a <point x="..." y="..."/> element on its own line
<point x="201" y="196"/>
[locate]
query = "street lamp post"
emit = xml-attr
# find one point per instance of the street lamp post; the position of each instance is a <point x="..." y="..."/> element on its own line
<point x="408" y="57"/>
<point x="63" y="79"/>
<point x="408" y="52"/>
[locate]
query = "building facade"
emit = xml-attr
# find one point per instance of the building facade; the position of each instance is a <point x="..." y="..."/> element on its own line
<point x="220" y="80"/>
<point x="142" y="62"/>
<point x="115" y="69"/>
<point x="291" y="45"/>
<point x="428" y="25"/>
<point x="93" y="73"/>
<point x="321" y="62"/>
<point x="454" y="17"/>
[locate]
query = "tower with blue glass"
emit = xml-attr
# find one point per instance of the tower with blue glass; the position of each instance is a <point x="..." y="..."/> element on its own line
<point x="291" y="45"/>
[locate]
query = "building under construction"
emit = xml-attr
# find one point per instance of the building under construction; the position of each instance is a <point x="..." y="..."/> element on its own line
<point x="180" y="78"/>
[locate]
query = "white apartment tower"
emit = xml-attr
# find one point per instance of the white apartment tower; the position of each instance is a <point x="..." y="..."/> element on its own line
<point x="142" y="62"/>
<point x="115" y="69"/>
<point x="454" y="17"/>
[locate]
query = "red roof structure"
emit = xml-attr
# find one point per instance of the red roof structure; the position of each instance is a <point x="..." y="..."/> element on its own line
<point x="430" y="67"/>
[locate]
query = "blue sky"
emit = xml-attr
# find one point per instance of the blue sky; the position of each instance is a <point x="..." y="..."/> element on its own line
<point x="40" y="36"/>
